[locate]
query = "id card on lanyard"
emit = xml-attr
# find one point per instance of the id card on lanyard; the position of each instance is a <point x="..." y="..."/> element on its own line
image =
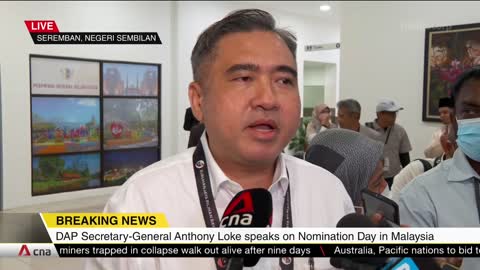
<point x="209" y="209"/>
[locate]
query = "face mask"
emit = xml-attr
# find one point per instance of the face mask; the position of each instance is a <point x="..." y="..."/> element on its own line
<point x="469" y="137"/>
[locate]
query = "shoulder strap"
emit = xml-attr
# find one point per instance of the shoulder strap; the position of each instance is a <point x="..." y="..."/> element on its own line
<point x="426" y="165"/>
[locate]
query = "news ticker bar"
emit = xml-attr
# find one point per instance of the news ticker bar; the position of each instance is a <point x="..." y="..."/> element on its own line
<point x="239" y="250"/>
<point x="266" y="250"/>
<point x="72" y="38"/>
<point x="153" y="228"/>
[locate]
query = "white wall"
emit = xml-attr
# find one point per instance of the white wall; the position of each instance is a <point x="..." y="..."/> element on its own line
<point x="332" y="71"/>
<point x="16" y="46"/>
<point x="314" y="76"/>
<point x="194" y="17"/>
<point x="383" y="55"/>
<point x="326" y="75"/>
<point x="331" y="86"/>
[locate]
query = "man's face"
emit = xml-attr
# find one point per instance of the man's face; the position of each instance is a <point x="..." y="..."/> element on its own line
<point x="444" y="115"/>
<point x="346" y="119"/>
<point x="387" y="118"/>
<point x="249" y="99"/>
<point x="467" y="104"/>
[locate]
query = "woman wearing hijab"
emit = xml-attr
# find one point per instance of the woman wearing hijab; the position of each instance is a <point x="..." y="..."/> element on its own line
<point x="354" y="158"/>
<point x="320" y="121"/>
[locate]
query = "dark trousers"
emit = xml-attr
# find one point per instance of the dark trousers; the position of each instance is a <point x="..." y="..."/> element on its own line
<point x="389" y="181"/>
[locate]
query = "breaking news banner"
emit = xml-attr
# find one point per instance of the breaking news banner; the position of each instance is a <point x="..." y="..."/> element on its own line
<point x="47" y="32"/>
<point x="149" y="235"/>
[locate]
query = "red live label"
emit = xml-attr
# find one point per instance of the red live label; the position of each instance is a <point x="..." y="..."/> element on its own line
<point x="41" y="26"/>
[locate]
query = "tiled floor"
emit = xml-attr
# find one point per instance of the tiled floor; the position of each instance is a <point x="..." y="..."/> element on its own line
<point x="45" y="263"/>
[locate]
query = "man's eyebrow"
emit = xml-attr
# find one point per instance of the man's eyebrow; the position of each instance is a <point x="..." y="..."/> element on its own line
<point x="245" y="67"/>
<point x="255" y="68"/>
<point x="287" y="69"/>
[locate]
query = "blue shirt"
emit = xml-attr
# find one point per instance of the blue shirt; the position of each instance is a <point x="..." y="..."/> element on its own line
<point x="443" y="197"/>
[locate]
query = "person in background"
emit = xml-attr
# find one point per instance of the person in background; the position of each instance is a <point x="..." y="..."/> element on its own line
<point x="397" y="145"/>
<point x="348" y="117"/>
<point x="449" y="194"/>
<point x="445" y="107"/>
<point x="189" y="120"/>
<point x="355" y="159"/>
<point x="190" y="123"/>
<point x="420" y="166"/>
<point x="320" y="121"/>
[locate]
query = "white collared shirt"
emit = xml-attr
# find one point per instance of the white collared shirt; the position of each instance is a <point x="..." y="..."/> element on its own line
<point x="319" y="199"/>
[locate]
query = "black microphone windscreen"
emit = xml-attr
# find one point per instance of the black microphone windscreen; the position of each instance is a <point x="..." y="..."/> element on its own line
<point x="355" y="220"/>
<point x="235" y="264"/>
<point x="249" y="208"/>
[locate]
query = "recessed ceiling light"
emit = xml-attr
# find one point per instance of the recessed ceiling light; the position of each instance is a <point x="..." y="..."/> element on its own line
<point x="325" y="7"/>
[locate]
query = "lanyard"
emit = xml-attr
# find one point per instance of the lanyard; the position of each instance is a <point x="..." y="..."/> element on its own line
<point x="476" y="183"/>
<point x="209" y="210"/>
<point x="388" y="135"/>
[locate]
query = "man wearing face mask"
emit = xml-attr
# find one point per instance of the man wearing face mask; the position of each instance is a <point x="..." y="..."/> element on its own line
<point x="449" y="194"/>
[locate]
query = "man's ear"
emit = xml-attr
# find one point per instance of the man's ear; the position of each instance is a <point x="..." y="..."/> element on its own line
<point x="195" y="95"/>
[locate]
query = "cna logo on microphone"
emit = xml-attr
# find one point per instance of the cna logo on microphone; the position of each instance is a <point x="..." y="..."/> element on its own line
<point x="47" y="32"/>
<point x="239" y="212"/>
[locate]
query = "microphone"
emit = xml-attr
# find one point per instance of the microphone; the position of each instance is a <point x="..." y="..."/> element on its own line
<point x="251" y="208"/>
<point x="355" y="220"/>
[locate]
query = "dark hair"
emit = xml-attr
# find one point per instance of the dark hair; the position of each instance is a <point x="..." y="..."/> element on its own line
<point x="244" y="20"/>
<point x="471" y="74"/>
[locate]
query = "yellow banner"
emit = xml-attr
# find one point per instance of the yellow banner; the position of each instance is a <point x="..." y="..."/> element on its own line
<point x="104" y="220"/>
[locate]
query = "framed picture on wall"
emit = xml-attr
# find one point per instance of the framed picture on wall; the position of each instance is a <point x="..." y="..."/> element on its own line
<point x="64" y="76"/>
<point x="94" y="123"/>
<point x="65" y="125"/>
<point x="449" y="51"/>
<point x="127" y="79"/>
<point x="60" y="173"/>
<point x="119" y="165"/>
<point x="130" y="123"/>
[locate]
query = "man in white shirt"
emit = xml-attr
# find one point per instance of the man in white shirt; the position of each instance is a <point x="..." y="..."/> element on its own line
<point x="245" y="92"/>
<point x="420" y="166"/>
<point x="445" y="108"/>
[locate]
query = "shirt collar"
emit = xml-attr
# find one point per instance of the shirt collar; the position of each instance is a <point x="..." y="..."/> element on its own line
<point x="460" y="169"/>
<point x="219" y="180"/>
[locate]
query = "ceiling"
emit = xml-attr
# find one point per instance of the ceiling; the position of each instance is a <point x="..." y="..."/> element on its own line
<point x="305" y="8"/>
